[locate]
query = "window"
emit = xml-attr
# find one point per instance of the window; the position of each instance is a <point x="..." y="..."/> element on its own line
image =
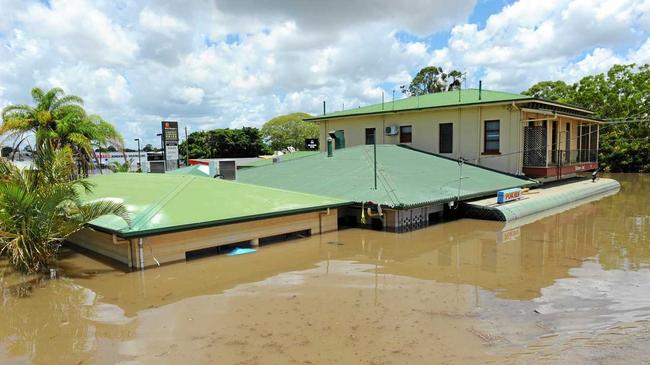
<point x="446" y="138"/>
<point x="491" y="137"/>
<point x="405" y="134"/>
<point x="370" y="135"/>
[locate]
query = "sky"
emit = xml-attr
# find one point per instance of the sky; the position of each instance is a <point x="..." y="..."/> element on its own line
<point x="234" y="63"/>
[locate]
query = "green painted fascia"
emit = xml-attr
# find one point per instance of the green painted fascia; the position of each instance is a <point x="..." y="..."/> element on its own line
<point x="221" y="222"/>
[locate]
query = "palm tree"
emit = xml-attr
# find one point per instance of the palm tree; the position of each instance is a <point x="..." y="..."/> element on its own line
<point x="62" y="120"/>
<point x="42" y="205"/>
<point x="51" y="108"/>
<point x="120" y="167"/>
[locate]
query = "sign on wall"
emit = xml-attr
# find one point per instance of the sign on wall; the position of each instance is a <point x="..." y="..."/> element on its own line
<point x="311" y="144"/>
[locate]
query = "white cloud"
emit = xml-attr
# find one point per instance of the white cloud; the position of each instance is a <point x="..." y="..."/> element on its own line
<point x="529" y="41"/>
<point x="241" y="62"/>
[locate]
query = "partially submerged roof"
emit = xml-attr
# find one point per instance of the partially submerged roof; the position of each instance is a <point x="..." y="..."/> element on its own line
<point x="446" y="99"/>
<point x="405" y="177"/>
<point x="283" y="158"/>
<point x="160" y="203"/>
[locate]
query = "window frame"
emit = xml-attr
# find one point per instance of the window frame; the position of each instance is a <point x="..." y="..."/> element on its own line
<point x="450" y="142"/>
<point x="486" y="139"/>
<point x="402" y="134"/>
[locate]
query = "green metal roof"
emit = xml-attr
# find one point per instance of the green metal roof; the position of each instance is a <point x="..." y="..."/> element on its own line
<point x="283" y="158"/>
<point x="194" y="170"/>
<point x="435" y="100"/>
<point x="406" y="177"/>
<point x="164" y="202"/>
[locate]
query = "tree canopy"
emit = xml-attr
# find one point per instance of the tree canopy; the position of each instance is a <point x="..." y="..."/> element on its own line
<point x="61" y="120"/>
<point x="433" y="79"/>
<point x="289" y="130"/>
<point x="621" y="96"/>
<point x="220" y="143"/>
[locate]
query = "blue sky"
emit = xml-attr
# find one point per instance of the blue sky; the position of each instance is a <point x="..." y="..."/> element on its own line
<point x="230" y="63"/>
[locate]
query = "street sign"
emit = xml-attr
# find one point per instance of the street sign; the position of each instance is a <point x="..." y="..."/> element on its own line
<point x="170" y="141"/>
<point x="171" y="151"/>
<point x="311" y="144"/>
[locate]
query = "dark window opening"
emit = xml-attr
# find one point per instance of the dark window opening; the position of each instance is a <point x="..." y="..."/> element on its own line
<point x="377" y="224"/>
<point x="491" y="135"/>
<point x="446" y="138"/>
<point x="435" y="217"/>
<point x="348" y="221"/>
<point x="285" y="237"/>
<point x="405" y="134"/>
<point x="370" y="135"/>
<point x="217" y="250"/>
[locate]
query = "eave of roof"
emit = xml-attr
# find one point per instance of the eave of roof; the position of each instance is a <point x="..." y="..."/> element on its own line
<point x="446" y="101"/>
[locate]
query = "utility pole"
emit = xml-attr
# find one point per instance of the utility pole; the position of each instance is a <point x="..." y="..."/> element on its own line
<point x="375" y="157"/>
<point x="139" y="158"/>
<point x="460" y="178"/>
<point x="187" y="149"/>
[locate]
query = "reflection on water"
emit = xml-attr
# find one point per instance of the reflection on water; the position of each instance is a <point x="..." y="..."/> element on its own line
<point x="473" y="291"/>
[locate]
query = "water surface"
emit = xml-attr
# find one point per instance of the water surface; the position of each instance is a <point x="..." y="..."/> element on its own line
<point x="573" y="287"/>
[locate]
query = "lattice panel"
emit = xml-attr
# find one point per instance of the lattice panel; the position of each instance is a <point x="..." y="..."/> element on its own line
<point x="535" y="146"/>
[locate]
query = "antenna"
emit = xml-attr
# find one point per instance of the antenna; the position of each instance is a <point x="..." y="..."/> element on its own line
<point x="393" y="99"/>
<point x="480" y="88"/>
<point x="324" y="107"/>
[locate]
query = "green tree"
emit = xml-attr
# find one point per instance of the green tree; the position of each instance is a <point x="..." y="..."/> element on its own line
<point x="433" y="79"/>
<point x="289" y="130"/>
<point x="120" y="167"/>
<point x="621" y="96"/>
<point x="61" y="120"/>
<point x="220" y="143"/>
<point x="41" y="206"/>
<point x="551" y="90"/>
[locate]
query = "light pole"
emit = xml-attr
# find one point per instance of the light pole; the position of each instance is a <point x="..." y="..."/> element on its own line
<point x="139" y="158"/>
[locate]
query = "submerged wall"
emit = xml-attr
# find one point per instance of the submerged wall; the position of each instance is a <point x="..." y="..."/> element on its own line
<point x="171" y="247"/>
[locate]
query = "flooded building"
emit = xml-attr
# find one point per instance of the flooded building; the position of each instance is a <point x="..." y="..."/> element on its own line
<point x="512" y="133"/>
<point x="175" y="217"/>
<point x="394" y="187"/>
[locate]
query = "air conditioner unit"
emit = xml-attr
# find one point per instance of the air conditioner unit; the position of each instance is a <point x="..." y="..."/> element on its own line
<point x="392" y="130"/>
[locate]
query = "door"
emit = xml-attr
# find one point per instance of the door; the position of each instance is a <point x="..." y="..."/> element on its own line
<point x="339" y="139"/>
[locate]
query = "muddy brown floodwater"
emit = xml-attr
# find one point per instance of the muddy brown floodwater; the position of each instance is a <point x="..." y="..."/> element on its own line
<point x="570" y="288"/>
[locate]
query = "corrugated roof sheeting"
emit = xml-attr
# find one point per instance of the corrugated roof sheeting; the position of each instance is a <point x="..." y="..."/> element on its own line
<point x="434" y="100"/>
<point x="161" y="203"/>
<point x="283" y="158"/>
<point x="405" y="177"/>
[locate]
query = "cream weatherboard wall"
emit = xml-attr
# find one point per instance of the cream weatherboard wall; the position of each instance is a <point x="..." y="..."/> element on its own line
<point x="468" y="132"/>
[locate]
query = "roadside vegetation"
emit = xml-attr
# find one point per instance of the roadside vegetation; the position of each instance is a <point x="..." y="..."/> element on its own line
<point x="41" y="205"/>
